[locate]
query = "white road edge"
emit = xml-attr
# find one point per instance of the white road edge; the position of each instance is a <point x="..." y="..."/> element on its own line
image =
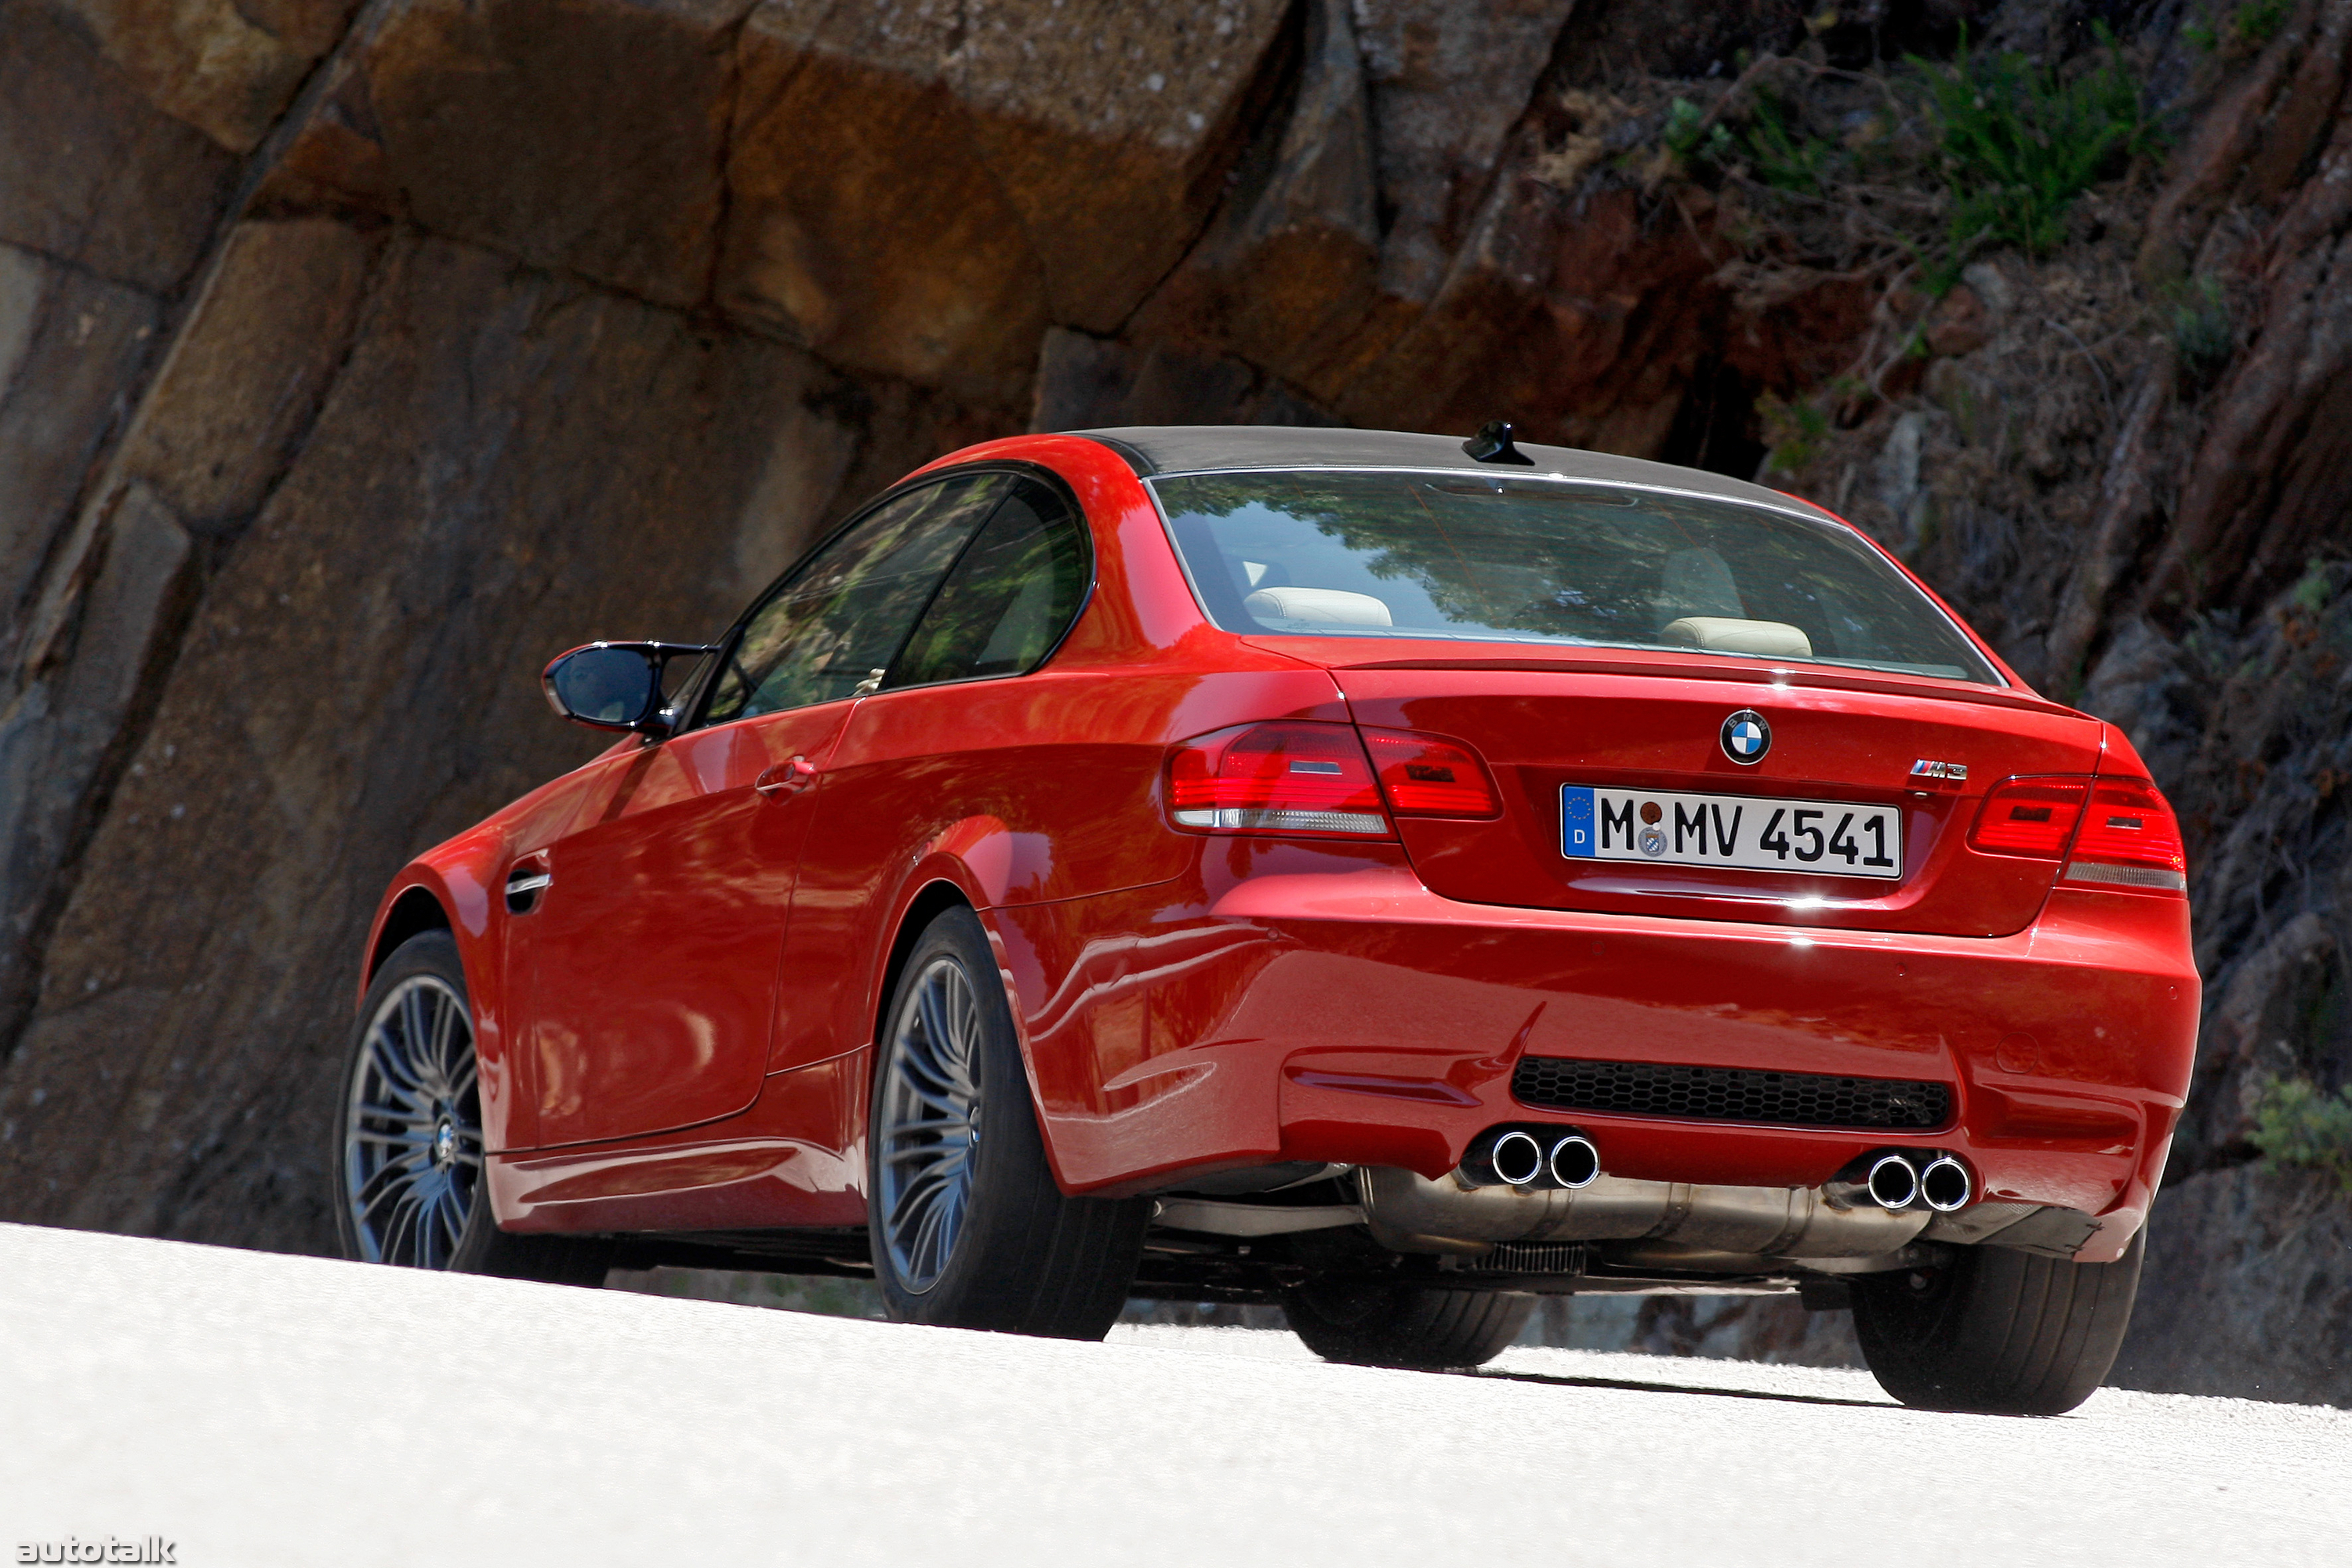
<point x="258" y="1410"/>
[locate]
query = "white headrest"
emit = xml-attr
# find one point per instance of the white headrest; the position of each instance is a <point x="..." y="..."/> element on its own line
<point x="1771" y="639"/>
<point x="1332" y="607"/>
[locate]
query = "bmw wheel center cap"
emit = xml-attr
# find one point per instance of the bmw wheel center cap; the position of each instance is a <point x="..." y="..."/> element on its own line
<point x="1746" y="736"/>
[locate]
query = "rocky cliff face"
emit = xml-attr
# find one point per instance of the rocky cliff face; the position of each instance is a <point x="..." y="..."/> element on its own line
<point x="354" y="357"/>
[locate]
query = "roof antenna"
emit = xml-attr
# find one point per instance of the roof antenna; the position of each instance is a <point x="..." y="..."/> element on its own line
<point x="1493" y="445"/>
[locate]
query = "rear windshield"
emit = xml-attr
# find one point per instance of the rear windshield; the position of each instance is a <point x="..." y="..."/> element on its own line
<point x="1390" y="555"/>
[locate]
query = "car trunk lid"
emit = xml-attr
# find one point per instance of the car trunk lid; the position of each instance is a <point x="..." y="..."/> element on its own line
<point x="1631" y="728"/>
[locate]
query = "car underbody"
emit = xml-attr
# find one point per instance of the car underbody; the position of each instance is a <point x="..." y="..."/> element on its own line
<point x="1246" y="1236"/>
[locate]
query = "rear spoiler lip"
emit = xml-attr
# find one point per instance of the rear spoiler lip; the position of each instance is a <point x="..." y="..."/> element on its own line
<point x="1697" y="668"/>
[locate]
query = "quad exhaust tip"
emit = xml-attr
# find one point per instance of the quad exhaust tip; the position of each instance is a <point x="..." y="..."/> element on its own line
<point x="1525" y="1157"/>
<point x="1894" y="1181"/>
<point x="1945" y="1186"/>
<point x="1516" y="1157"/>
<point x="1574" y="1161"/>
<point x="1898" y="1179"/>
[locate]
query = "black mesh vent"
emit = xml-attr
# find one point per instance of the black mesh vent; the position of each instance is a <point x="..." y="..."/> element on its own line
<point x="1729" y="1094"/>
<point x="1530" y="1257"/>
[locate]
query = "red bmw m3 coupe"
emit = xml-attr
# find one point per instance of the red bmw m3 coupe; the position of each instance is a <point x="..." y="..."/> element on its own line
<point x="1384" y="875"/>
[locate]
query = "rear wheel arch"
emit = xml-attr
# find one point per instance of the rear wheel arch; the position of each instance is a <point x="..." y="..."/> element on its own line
<point x="974" y="1232"/>
<point x="926" y="906"/>
<point x="933" y="900"/>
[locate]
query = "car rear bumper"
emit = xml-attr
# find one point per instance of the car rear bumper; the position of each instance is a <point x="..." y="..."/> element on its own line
<point x="1343" y="1012"/>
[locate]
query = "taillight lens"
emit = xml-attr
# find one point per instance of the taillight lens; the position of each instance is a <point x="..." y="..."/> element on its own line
<point x="1424" y="776"/>
<point x="2129" y="839"/>
<point x="2030" y="817"/>
<point x="1288" y="778"/>
<point x="2114" y="833"/>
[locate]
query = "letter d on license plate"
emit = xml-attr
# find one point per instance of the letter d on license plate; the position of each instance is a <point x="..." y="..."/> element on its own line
<point x="1818" y="837"/>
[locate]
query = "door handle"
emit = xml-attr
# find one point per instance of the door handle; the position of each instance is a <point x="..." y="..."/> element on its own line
<point x="786" y="778"/>
<point x="525" y="882"/>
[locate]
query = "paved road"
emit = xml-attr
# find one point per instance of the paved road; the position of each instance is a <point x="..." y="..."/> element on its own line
<point x="258" y="1411"/>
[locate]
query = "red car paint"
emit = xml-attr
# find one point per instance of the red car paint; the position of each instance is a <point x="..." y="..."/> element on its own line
<point x="678" y="1035"/>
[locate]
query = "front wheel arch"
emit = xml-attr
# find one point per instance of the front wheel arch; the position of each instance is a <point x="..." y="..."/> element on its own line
<point x="431" y="958"/>
<point x="415" y="912"/>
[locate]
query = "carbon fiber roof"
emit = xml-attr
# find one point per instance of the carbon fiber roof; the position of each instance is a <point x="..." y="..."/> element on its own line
<point x="1190" y="448"/>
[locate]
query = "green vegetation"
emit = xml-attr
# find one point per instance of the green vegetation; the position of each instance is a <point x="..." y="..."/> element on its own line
<point x="2249" y="27"/>
<point x="1784" y="155"/>
<point x="2017" y="145"/>
<point x="2311" y="590"/>
<point x="1773" y="144"/>
<point x="2203" y="333"/>
<point x="2012" y="141"/>
<point x="2259" y="21"/>
<point x="2296" y="1122"/>
<point x="1686" y="128"/>
<point x="1795" y="432"/>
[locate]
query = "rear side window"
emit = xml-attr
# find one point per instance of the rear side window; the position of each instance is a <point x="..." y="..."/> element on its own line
<point x="1403" y="555"/>
<point x="834" y="626"/>
<point x="1011" y="596"/>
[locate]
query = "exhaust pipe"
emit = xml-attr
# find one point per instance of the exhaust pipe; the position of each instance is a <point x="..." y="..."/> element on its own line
<point x="1467" y="1213"/>
<point x="1575" y="1164"/>
<point x="1945" y="1184"/>
<point x="1894" y="1183"/>
<point x="1515" y="1158"/>
<point x="1526" y="1157"/>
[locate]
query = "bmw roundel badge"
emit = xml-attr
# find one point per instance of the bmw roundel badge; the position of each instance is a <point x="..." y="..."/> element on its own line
<point x="1746" y="736"/>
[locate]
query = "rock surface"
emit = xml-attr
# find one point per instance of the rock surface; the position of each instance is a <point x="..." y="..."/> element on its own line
<point x="2248" y="1290"/>
<point x="354" y="358"/>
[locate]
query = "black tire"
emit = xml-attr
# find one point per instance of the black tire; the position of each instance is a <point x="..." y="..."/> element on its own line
<point x="429" y="1208"/>
<point x="1004" y="1249"/>
<point x="1404" y="1325"/>
<point x="1997" y="1331"/>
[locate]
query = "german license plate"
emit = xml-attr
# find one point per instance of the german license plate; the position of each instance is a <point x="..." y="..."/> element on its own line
<point x="1737" y="832"/>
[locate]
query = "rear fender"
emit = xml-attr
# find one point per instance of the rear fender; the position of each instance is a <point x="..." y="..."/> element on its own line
<point x="979" y="863"/>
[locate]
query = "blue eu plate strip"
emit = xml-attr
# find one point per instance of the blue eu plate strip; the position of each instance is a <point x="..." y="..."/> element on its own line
<point x="1576" y="820"/>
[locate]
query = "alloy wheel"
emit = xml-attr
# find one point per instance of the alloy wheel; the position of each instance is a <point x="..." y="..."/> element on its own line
<point x="928" y="1124"/>
<point x="413" y="1128"/>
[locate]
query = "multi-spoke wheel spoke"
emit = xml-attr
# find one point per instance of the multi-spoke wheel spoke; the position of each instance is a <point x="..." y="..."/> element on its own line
<point x="926" y="1134"/>
<point x="413" y="1128"/>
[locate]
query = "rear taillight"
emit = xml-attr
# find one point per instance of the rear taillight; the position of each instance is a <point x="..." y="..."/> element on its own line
<point x="1291" y="778"/>
<point x="2030" y="817"/>
<point x="2112" y="832"/>
<point x="1424" y="776"/>
<point x="2129" y="839"/>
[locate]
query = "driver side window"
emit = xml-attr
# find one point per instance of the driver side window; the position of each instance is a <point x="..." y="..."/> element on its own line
<point x="834" y="626"/>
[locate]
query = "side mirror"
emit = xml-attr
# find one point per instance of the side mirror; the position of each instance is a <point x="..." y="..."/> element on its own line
<point x="610" y="685"/>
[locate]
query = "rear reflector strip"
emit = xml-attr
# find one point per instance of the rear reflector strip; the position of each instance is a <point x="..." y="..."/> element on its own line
<point x="2127" y="876"/>
<point x="1276" y="819"/>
